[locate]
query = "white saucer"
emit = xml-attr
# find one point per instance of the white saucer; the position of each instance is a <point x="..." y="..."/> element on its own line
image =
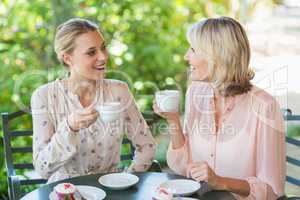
<point x="182" y="187"/>
<point x="118" y="181"/>
<point x="90" y="192"/>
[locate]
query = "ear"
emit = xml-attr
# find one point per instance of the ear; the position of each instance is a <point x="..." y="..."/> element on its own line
<point x="67" y="58"/>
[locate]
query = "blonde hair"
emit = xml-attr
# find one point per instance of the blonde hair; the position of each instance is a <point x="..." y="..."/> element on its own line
<point x="225" y="45"/>
<point x="67" y="32"/>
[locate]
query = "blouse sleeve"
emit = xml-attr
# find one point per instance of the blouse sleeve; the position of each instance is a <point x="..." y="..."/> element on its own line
<point x="51" y="148"/>
<point x="139" y="133"/>
<point x="178" y="159"/>
<point x="270" y="162"/>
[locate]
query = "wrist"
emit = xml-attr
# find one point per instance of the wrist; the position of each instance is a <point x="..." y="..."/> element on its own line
<point x="174" y="120"/>
<point x="220" y="183"/>
<point x="70" y="127"/>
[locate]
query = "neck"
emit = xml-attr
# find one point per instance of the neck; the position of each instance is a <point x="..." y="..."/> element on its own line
<point x="219" y="100"/>
<point x="82" y="87"/>
<point x="217" y="95"/>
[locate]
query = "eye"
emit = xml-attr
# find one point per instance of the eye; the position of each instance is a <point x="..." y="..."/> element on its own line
<point x="193" y="50"/>
<point x="91" y="53"/>
<point x="103" y="48"/>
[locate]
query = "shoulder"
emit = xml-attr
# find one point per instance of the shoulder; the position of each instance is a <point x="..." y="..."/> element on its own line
<point x="44" y="90"/>
<point x="40" y="96"/>
<point x="265" y="107"/>
<point x="261" y="97"/>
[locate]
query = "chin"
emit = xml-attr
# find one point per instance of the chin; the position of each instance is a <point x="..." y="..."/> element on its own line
<point x="98" y="78"/>
<point x="198" y="77"/>
<point x="194" y="78"/>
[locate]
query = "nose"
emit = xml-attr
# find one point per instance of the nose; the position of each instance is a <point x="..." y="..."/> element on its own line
<point x="102" y="55"/>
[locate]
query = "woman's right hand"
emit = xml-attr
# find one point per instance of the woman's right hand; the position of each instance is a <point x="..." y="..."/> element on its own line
<point x="169" y="116"/>
<point x="82" y="118"/>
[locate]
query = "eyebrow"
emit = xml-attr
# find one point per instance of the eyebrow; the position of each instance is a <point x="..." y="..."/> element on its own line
<point x="92" y="48"/>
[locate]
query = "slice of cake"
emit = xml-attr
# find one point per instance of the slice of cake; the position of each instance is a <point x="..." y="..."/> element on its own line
<point x="162" y="194"/>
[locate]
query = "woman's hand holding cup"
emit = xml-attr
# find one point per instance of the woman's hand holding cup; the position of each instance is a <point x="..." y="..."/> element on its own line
<point x="82" y="118"/>
<point x="169" y="116"/>
<point x="166" y="105"/>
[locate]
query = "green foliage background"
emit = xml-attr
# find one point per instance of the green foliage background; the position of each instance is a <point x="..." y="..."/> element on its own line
<point x="149" y="34"/>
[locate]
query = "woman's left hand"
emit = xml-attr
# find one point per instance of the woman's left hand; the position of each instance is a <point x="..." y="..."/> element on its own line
<point x="201" y="171"/>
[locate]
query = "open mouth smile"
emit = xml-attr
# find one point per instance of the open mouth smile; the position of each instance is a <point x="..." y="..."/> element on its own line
<point x="100" y="67"/>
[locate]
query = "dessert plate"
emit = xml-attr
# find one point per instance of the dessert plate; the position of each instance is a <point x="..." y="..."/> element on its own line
<point x="118" y="181"/>
<point x="181" y="187"/>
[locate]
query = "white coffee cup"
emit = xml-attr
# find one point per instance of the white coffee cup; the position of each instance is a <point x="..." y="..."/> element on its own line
<point x="167" y="100"/>
<point x="109" y="111"/>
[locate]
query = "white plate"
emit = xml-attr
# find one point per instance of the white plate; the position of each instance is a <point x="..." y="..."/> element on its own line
<point x="182" y="187"/>
<point x="118" y="181"/>
<point x="87" y="192"/>
<point x="90" y="192"/>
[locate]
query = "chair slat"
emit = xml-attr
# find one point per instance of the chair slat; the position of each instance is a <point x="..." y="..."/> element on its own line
<point x="126" y="157"/>
<point x="21" y="133"/>
<point x="293" y="180"/>
<point x="21" y="150"/>
<point x="32" y="181"/>
<point x="23" y="166"/>
<point x="293" y="161"/>
<point x="292" y="117"/>
<point x="292" y="141"/>
<point x="16" y="114"/>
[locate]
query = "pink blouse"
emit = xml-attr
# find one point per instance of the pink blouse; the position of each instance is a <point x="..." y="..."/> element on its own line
<point x="59" y="153"/>
<point x="249" y="145"/>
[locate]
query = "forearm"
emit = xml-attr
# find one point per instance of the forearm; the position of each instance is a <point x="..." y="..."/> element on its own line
<point x="50" y="155"/>
<point x="175" y="131"/>
<point x="177" y="154"/>
<point x="238" y="186"/>
<point x="142" y="161"/>
<point x="144" y="154"/>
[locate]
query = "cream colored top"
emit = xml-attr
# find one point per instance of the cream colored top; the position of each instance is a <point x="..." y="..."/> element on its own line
<point x="249" y="145"/>
<point x="59" y="153"/>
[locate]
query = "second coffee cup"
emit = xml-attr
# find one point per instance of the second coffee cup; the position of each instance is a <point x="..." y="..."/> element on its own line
<point x="167" y="100"/>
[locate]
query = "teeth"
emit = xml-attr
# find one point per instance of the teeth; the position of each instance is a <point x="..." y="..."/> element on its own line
<point x="99" y="67"/>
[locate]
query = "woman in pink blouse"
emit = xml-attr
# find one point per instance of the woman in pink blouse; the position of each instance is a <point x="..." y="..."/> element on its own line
<point x="69" y="137"/>
<point x="233" y="135"/>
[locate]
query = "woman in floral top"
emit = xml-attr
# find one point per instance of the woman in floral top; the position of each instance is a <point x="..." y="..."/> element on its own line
<point x="69" y="137"/>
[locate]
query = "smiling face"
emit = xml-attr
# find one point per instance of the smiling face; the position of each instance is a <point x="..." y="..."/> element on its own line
<point x="198" y="65"/>
<point x="89" y="58"/>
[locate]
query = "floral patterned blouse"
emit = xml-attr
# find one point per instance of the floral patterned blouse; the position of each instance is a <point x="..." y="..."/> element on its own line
<point x="59" y="153"/>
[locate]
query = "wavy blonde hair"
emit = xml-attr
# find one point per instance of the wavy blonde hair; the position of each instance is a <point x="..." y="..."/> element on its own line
<point x="67" y="32"/>
<point x="225" y="45"/>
